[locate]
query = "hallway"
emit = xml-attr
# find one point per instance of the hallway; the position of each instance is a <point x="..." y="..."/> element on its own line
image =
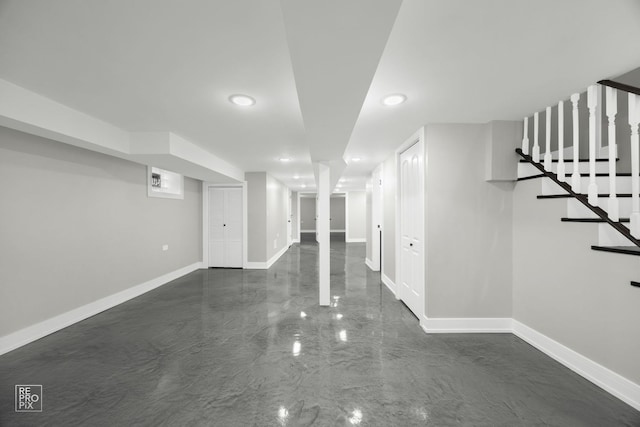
<point x="253" y="348"/>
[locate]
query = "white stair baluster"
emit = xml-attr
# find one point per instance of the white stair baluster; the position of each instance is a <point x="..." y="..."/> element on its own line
<point x="612" y="109"/>
<point x="547" y="155"/>
<point x="634" y="120"/>
<point x="575" y="176"/>
<point x="536" y="146"/>
<point x="525" y="137"/>
<point x="592" y="103"/>
<point x="561" y="171"/>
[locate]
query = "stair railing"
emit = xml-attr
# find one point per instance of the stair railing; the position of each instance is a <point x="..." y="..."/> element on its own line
<point x="594" y="104"/>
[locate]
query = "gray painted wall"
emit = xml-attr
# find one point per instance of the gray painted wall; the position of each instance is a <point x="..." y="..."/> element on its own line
<point x="308" y="214"/>
<point x="294" y="214"/>
<point x="267" y="200"/>
<point x="77" y="226"/>
<point x="357" y="201"/>
<point x="337" y="213"/>
<point x="570" y="293"/>
<point x="256" y="216"/>
<point x="389" y="183"/>
<point x="468" y="223"/>
<point x="277" y="207"/>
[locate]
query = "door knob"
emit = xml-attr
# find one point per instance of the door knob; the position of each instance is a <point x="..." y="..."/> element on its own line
<point x="224" y="225"/>
<point x="410" y="244"/>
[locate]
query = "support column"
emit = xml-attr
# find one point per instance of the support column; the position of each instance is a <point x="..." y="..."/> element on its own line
<point x="322" y="227"/>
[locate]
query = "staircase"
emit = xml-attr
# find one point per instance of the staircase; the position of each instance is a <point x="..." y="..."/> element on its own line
<point x="593" y="188"/>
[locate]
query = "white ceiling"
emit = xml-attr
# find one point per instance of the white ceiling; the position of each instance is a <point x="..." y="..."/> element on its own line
<point x="317" y="69"/>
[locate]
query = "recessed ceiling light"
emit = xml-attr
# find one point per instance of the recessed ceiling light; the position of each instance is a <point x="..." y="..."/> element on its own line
<point x="341" y="179"/>
<point x="304" y="185"/>
<point x="296" y="177"/>
<point x="242" y="100"/>
<point x="284" y="159"/>
<point x="395" y="99"/>
<point x="355" y="159"/>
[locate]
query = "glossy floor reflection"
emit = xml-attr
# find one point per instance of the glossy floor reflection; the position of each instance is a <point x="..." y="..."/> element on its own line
<point x="253" y="348"/>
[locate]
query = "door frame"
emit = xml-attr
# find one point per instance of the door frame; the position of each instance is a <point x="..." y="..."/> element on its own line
<point x="377" y="217"/>
<point x="205" y="218"/>
<point x="416" y="138"/>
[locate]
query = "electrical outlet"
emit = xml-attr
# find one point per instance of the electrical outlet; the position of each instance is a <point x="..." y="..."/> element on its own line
<point x="165" y="247"/>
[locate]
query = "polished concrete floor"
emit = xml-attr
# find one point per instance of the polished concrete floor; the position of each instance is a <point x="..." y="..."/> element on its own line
<point x="253" y="348"/>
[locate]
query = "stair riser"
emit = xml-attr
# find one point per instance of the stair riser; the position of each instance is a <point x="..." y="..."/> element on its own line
<point x="623" y="185"/>
<point x="575" y="209"/>
<point x="527" y="169"/>
<point x="608" y="236"/>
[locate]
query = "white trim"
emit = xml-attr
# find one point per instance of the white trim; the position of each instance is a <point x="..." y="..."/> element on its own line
<point x="417" y="138"/>
<point x="355" y="241"/>
<point x="307" y="231"/>
<point x="39" y="330"/>
<point x="617" y="385"/>
<point x="369" y="264"/>
<point x="337" y="231"/>
<point x="466" y="325"/>
<point x="387" y="281"/>
<point x="205" y="222"/>
<point x="253" y="265"/>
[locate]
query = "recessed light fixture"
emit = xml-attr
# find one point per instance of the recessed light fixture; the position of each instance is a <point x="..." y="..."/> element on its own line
<point x="284" y="159"/>
<point x="355" y="159"/>
<point x="341" y="179"/>
<point x="242" y="100"/>
<point x="395" y="99"/>
<point x="304" y="185"/>
<point x="296" y="176"/>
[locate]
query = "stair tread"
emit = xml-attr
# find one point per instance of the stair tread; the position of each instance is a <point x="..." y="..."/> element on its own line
<point x="581" y="160"/>
<point x="599" y="220"/>
<point x="567" y="196"/>
<point x="629" y="250"/>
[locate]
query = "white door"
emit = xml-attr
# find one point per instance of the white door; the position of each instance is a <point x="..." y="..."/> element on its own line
<point x="225" y="227"/>
<point x="376" y="218"/>
<point x="289" y="223"/>
<point x="411" y="229"/>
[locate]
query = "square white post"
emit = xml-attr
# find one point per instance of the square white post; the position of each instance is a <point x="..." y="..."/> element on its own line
<point x="322" y="226"/>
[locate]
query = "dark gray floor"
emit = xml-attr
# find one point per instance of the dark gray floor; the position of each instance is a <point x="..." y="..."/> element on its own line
<point x="253" y="348"/>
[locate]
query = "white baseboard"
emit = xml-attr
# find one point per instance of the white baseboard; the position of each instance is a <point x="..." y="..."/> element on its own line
<point x="387" y="281"/>
<point x="617" y="385"/>
<point x="277" y="256"/>
<point x="296" y="241"/>
<point x="61" y="321"/>
<point x="251" y="265"/>
<point x="369" y="264"/>
<point x="355" y="240"/>
<point x="466" y="325"/>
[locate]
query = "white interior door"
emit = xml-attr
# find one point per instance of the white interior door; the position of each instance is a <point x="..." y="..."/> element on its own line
<point x="216" y="227"/>
<point x="289" y="221"/>
<point x="376" y="218"/>
<point x="233" y="227"/>
<point x="225" y="227"/>
<point x="411" y="229"/>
